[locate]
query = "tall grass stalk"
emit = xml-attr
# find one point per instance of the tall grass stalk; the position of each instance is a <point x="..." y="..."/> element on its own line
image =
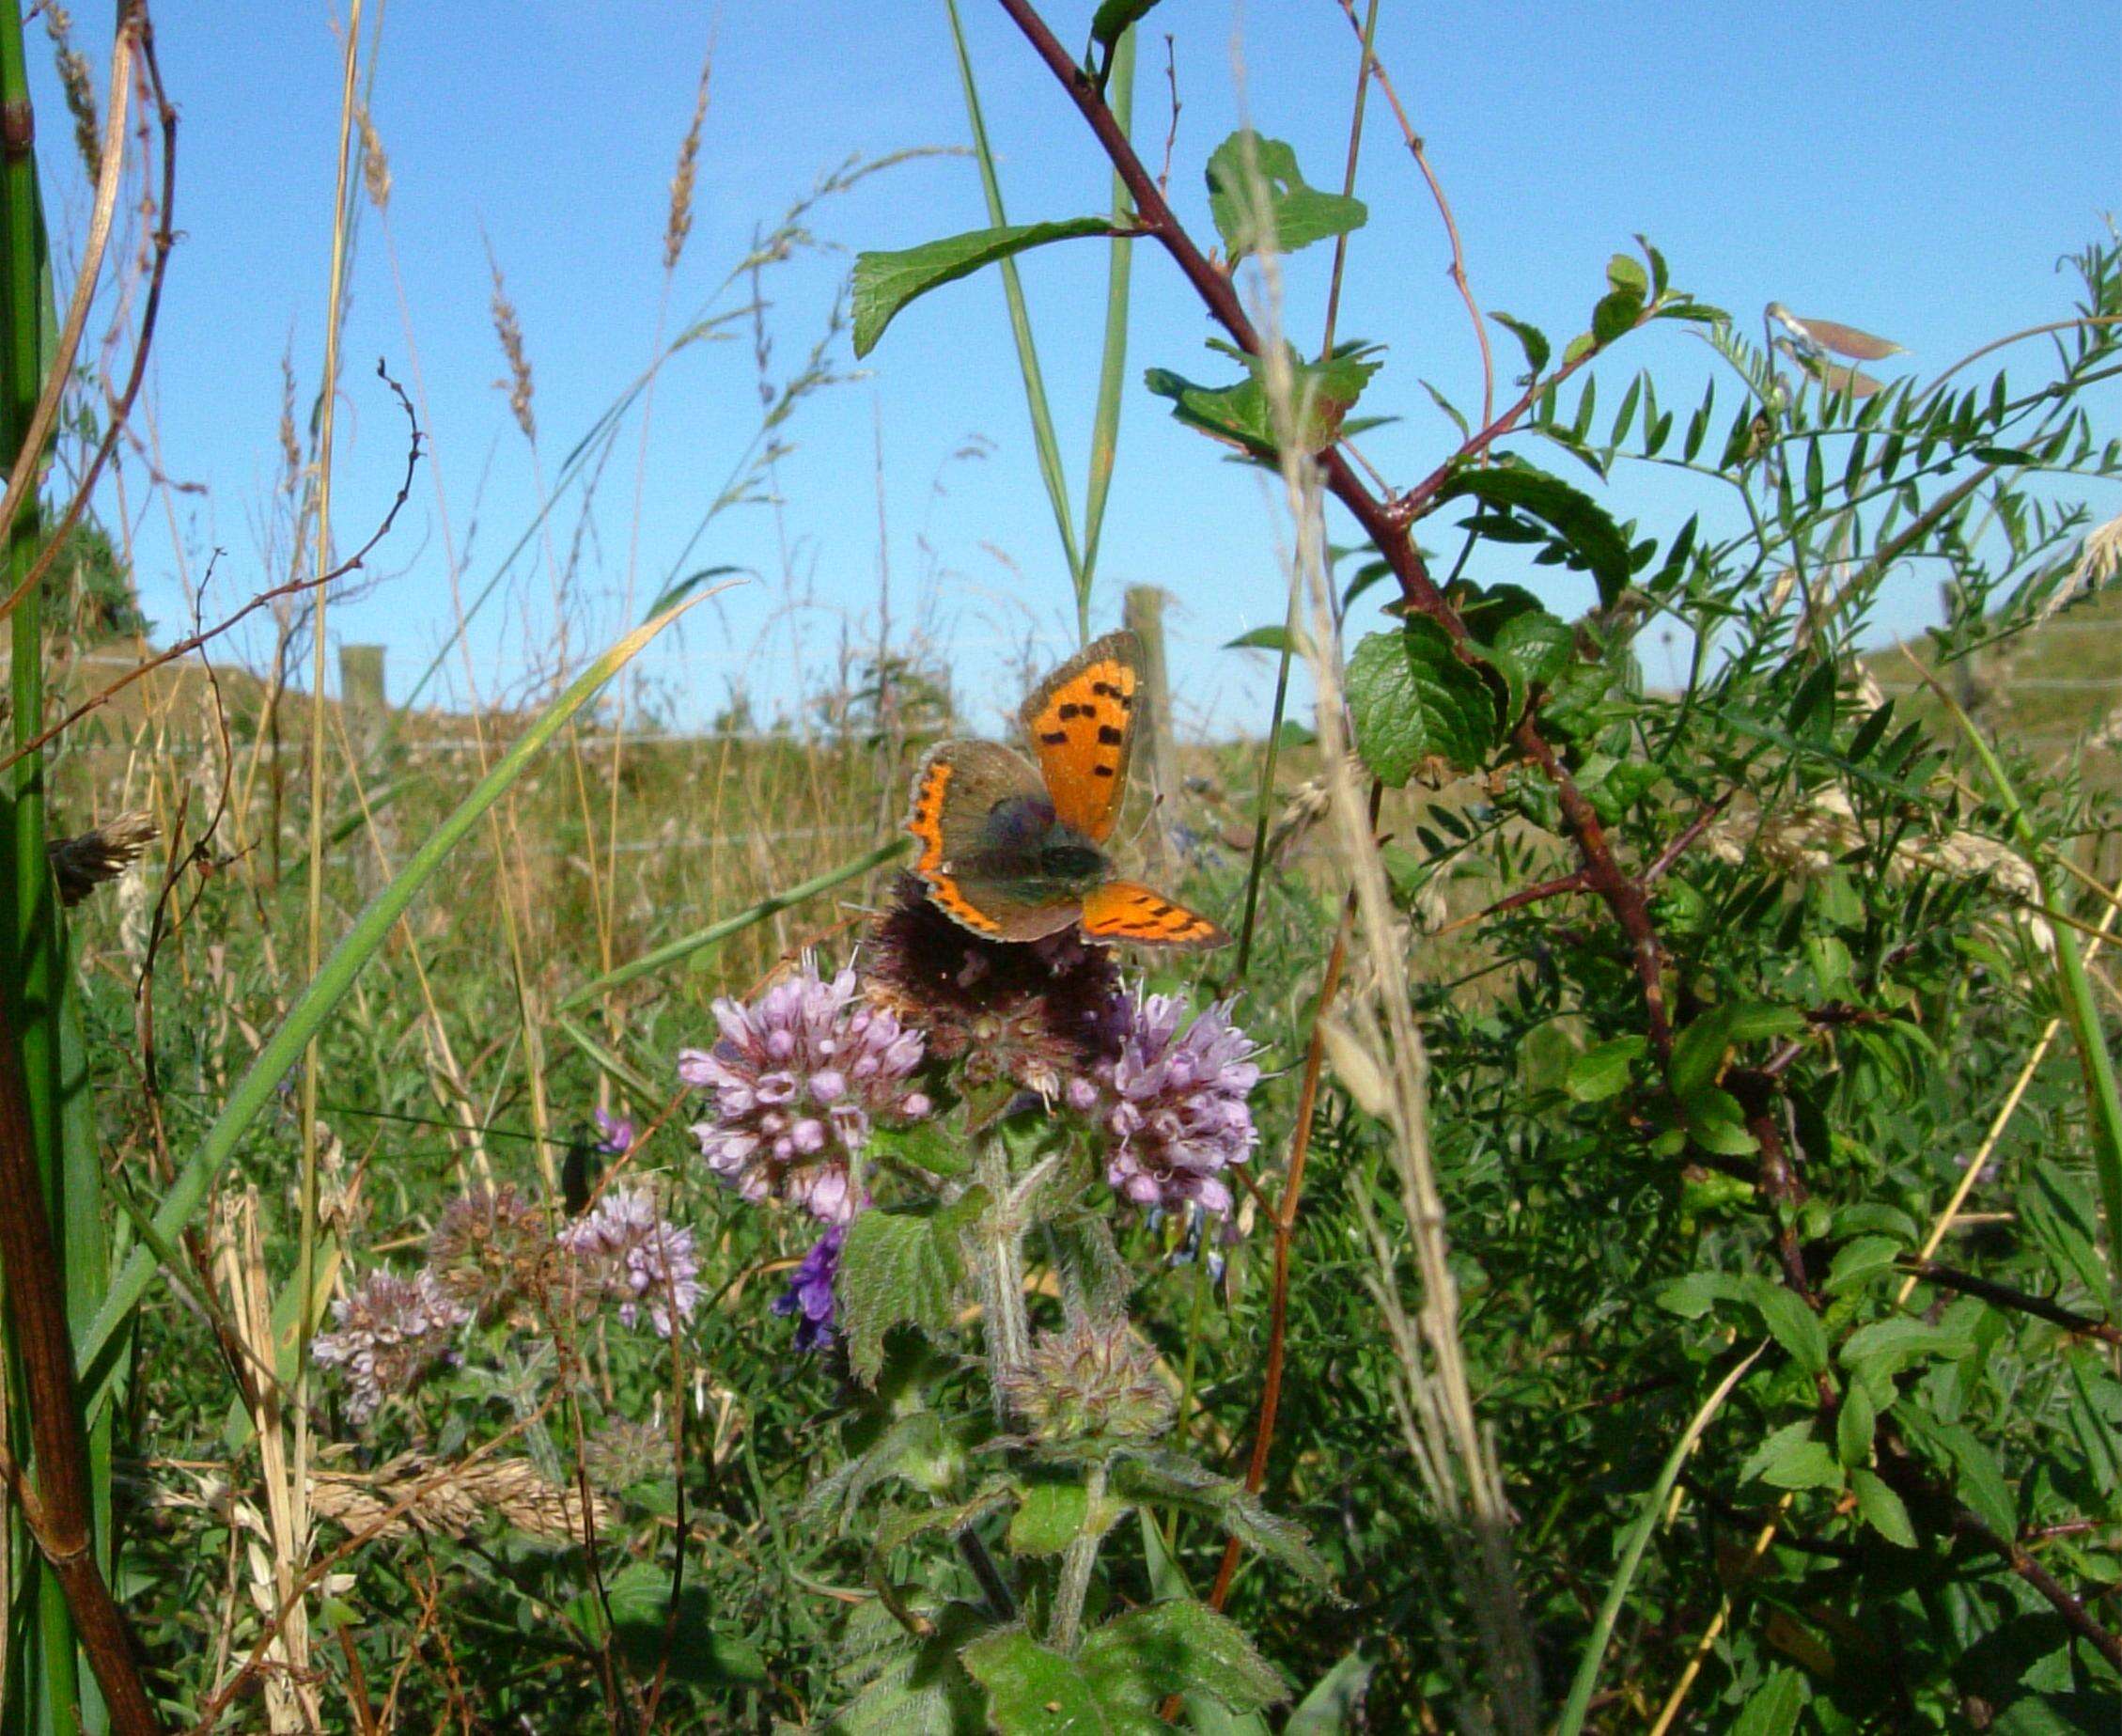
<point x="294" y="1635"/>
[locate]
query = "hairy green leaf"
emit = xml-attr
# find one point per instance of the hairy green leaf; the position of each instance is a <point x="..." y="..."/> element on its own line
<point x="1586" y="531"/>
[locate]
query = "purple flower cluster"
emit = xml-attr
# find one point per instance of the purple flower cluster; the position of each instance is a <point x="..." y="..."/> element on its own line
<point x="1174" y="1101"/>
<point x="809" y="1296"/>
<point x="798" y="1078"/>
<point x="623" y="1250"/>
<point x="389" y="1330"/>
<point x="614" y="1134"/>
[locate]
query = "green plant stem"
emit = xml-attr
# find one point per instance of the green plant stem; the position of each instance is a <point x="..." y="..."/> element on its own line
<point x="1005" y="1331"/>
<point x="1077" y="1563"/>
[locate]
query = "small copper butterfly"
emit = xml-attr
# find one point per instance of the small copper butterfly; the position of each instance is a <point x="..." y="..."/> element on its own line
<point x="1016" y="853"/>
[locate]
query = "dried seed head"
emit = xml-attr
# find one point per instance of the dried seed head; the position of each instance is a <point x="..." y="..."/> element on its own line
<point x="80" y="865"/>
<point x="681" y="223"/>
<point x="509" y="330"/>
<point x="1089" y="1381"/>
<point x="375" y="165"/>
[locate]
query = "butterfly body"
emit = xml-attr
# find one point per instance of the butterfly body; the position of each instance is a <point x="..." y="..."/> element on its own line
<point x="1014" y="851"/>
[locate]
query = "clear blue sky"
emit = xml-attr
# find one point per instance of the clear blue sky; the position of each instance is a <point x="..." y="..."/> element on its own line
<point x="1915" y="170"/>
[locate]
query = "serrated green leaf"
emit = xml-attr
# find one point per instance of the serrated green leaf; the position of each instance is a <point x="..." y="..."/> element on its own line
<point x="1854" y="1425"/>
<point x="1048" y="1518"/>
<point x="1884" y="1348"/>
<point x="1882" y="1509"/>
<point x="898" y="1268"/>
<point x="1413" y="699"/>
<point x="886" y="282"/>
<point x="1243" y="414"/>
<point x="1698" y="1052"/>
<point x="1979" y="1479"/>
<point x="1585" y="530"/>
<point x="1530" y="337"/>
<point x="1181" y="1646"/>
<point x="1169" y="1479"/>
<point x="1032" y="1690"/>
<point x="638" y="1597"/>
<point x="1790" y="1323"/>
<point x="1334" y="1703"/>
<point x="1773" y="1709"/>
<point x="1692" y="1296"/>
<point x="1256" y="195"/>
<point x="1787" y="1439"/>
<point x="1716" y="1122"/>
<point x="1625" y="273"/>
<point x="1602" y="1070"/>
<point x="1856" y="1261"/>
<point x="1615" y="314"/>
<point x="1806" y="1465"/>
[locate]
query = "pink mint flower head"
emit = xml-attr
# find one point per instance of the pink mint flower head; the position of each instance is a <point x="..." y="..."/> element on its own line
<point x="388" y="1331"/>
<point x="624" y="1251"/>
<point x="1176" y="1102"/>
<point x="809" y="1296"/>
<point x="614" y="1134"/>
<point x="798" y="1079"/>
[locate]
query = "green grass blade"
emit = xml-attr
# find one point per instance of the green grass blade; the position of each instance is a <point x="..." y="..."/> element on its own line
<point x="1654" y="1499"/>
<point x="1049" y="469"/>
<point x="1112" y="369"/>
<point x="671" y="952"/>
<point x="606" y="1060"/>
<point x="306" y="1017"/>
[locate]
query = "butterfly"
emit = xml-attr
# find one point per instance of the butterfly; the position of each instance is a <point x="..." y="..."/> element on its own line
<point x="1016" y="853"/>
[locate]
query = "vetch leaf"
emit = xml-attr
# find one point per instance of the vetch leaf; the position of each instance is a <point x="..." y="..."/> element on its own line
<point x="886" y="282"/>
<point x="1252" y="177"/>
<point x="1413" y="699"/>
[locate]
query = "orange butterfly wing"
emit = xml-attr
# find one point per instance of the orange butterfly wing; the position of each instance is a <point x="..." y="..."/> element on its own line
<point x="955" y="786"/>
<point x="1081" y="720"/>
<point x="1126" y="910"/>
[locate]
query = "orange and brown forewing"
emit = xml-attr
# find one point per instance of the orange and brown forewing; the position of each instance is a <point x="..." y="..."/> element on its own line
<point x="956" y="787"/>
<point x="1126" y="910"/>
<point x="1081" y="721"/>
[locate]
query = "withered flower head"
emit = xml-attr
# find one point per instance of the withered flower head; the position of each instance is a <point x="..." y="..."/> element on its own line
<point x="1037" y="1013"/>
<point x="487" y="1251"/>
<point x="1089" y="1381"/>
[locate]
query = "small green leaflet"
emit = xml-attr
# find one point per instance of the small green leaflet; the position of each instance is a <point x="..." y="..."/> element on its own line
<point x="1413" y="699"/>
<point x="886" y="282"/>
<point x="1251" y="177"/>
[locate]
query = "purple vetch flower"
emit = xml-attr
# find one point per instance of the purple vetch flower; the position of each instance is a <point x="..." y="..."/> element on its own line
<point x="625" y="1251"/>
<point x="809" y="1296"/>
<point x="1177" y="1113"/>
<point x="798" y="1078"/>
<point x="614" y="1134"/>
<point x="388" y="1331"/>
